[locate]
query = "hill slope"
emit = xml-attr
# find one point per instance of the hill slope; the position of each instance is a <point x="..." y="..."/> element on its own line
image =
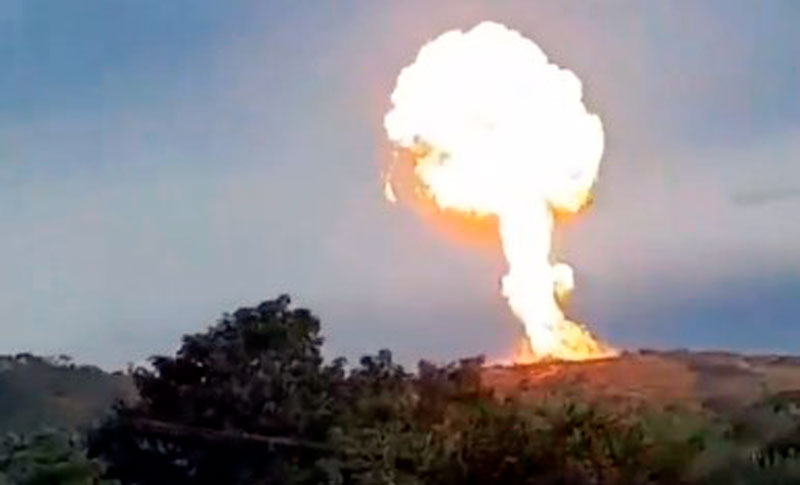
<point x="36" y="393"/>
<point x="718" y="381"/>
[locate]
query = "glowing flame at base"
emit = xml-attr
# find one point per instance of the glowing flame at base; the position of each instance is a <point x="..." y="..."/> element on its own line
<point x="495" y="129"/>
<point x="534" y="297"/>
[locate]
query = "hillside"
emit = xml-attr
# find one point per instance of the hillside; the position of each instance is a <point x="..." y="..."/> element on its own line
<point x="716" y="381"/>
<point x="36" y="392"/>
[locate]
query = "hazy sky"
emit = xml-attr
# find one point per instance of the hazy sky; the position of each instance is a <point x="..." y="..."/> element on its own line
<point x="163" y="162"/>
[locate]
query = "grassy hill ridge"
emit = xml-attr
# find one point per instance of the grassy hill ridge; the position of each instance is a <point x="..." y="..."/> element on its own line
<point x="38" y="392"/>
<point x="716" y="380"/>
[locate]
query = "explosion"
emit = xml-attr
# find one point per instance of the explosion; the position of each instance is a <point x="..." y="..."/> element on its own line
<point x="494" y="129"/>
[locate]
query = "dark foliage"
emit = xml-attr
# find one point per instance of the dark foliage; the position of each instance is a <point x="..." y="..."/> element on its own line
<point x="46" y="458"/>
<point x="250" y="401"/>
<point x="259" y="372"/>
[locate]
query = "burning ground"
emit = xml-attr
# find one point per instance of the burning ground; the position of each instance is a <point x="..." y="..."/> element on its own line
<point x="715" y="381"/>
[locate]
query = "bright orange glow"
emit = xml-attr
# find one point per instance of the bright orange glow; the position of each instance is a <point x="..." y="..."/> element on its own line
<point x="469" y="228"/>
<point x="497" y="132"/>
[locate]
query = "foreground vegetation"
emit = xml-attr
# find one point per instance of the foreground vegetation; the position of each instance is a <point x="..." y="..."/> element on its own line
<point x="252" y="401"/>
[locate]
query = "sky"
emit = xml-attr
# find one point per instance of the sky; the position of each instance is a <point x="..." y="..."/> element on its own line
<point x="164" y="162"/>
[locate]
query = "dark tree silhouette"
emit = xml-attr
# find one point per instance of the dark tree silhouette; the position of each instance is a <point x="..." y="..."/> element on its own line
<point x="248" y="401"/>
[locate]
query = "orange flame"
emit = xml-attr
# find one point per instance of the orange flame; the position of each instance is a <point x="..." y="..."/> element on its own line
<point x="494" y="129"/>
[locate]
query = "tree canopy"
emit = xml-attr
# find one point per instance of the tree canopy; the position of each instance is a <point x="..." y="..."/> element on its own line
<point x="251" y="401"/>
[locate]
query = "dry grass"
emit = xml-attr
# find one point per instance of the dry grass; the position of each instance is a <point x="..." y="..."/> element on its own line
<point x="689" y="379"/>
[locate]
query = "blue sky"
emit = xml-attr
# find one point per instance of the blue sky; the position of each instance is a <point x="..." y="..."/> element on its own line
<point x="163" y="162"/>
